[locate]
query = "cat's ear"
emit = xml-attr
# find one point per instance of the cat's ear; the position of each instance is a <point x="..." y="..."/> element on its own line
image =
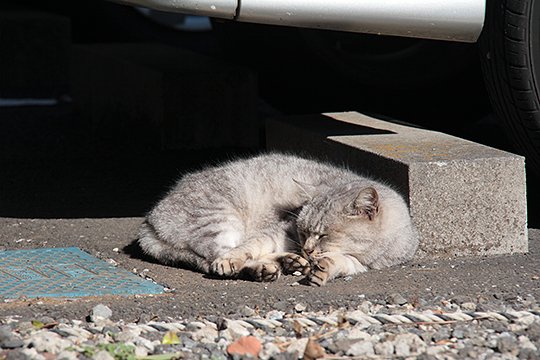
<point x="307" y="189"/>
<point x="365" y="203"/>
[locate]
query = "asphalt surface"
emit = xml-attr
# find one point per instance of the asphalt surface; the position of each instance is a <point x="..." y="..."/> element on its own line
<point x="97" y="205"/>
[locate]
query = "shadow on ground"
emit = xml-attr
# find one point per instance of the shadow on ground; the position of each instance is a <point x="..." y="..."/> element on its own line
<point x="117" y="186"/>
<point x="120" y="186"/>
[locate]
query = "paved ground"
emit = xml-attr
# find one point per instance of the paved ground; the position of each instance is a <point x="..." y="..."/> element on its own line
<point x="98" y="205"/>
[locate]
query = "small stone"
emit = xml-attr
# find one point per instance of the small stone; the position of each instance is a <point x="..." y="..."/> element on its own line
<point x="458" y="333"/>
<point x="275" y="315"/>
<point x="426" y="336"/>
<point x="205" y="335"/>
<point x="396" y="299"/>
<point x="497" y="326"/>
<point x="48" y="341"/>
<point x="492" y="341"/>
<point x="361" y="348"/>
<point x="408" y="344"/>
<point x="246" y="345"/>
<point x="385" y="348"/>
<point x="460" y="299"/>
<point x="194" y="326"/>
<point x="235" y="330"/>
<point x="9" y="340"/>
<point x="507" y="343"/>
<point x="25" y="327"/>
<point x="67" y="331"/>
<point x="533" y="331"/>
<point x="298" y="347"/>
<point x="16" y="354"/>
<point x="62" y="332"/>
<point x="128" y="335"/>
<point x="247" y="311"/>
<point x="112" y="262"/>
<point x="141" y="351"/>
<point x="147" y="344"/>
<point x="299" y="308"/>
<point x="341" y="344"/>
<point x="525" y="343"/>
<point x="100" y="312"/>
<point x="435" y="350"/>
<point x="366" y="307"/>
<point x="269" y="351"/>
<point x="47" y="320"/>
<point x="29" y="354"/>
<point x="374" y="329"/>
<point x="212" y="348"/>
<point x="357" y="333"/>
<point x="468" y="306"/>
<point x="222" y="343"/>
<point x="110" y="330"/>
<point x="187" y="342"/>
<point x="442" y="334"/>
<point x="528" y="354"/>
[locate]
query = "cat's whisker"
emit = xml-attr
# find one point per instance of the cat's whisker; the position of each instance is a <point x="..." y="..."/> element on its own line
<point x="293" y="214"/>
<point x="294" y="241"/>
<point x="301" y="186"/>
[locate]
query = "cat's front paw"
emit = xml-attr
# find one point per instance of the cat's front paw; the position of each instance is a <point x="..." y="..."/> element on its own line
<point x="227" y="267"/>
<point x="293" y="262"/>
<point x="319" y="274"/>
<point x="261" y="271"/>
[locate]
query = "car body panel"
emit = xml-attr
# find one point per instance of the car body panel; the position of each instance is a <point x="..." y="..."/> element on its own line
<point x="458" y="20"/>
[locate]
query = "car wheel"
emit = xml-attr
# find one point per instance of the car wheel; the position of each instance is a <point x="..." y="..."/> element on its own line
<point x="510" y="52"/>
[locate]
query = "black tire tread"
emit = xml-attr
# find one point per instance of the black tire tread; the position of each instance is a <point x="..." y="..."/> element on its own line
<point x="506" y="62"/>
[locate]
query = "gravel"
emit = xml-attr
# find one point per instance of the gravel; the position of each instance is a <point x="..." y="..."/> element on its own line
<point x="372" y="331"/>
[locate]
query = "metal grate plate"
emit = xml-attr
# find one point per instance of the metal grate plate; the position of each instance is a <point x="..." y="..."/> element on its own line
<point x="65" y="272"/>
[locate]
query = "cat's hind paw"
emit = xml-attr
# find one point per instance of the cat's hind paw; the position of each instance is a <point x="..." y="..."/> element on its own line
<point x="293" y="262"/>
<point x="261" y="271"/>
<point x="227" y="267"/>
<point x="319" y="274"/>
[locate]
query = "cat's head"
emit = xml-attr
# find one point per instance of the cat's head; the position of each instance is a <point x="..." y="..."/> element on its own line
<point x="341" y="219"/>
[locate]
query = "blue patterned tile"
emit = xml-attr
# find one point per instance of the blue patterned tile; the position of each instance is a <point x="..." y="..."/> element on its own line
<point x="65" y="272"/>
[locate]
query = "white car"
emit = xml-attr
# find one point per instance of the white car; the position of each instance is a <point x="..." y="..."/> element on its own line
<point x="507" y="32"/>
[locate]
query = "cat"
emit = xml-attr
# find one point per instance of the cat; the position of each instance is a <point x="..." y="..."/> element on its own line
<point x="279" y="213"/>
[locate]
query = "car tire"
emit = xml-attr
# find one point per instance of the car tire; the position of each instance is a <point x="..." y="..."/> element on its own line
<point x="510" y="57"/>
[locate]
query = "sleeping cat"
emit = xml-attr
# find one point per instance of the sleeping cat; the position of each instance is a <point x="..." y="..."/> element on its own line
<point x="274" y="213"/>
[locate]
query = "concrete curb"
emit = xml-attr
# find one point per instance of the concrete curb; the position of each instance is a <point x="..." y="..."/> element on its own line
<point x="466" y="199"/>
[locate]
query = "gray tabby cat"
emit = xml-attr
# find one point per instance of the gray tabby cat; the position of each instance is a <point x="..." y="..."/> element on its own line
<point x="270" y="214"/>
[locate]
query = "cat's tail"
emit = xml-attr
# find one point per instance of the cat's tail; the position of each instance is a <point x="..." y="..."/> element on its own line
<point x="149" y="242"/>
<point x="152" y="245"/>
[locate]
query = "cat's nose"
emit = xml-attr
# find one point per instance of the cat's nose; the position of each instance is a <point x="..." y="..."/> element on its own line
<point x="309" y="251"/>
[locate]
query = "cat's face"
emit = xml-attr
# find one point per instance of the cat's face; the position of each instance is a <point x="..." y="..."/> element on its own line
<point x="339" y="220"/>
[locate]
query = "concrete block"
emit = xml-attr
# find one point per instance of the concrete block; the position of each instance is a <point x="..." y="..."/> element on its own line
<point x="170" y="96"/>
<point x="35" y="55"/>
<point x="466" y="199"/>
